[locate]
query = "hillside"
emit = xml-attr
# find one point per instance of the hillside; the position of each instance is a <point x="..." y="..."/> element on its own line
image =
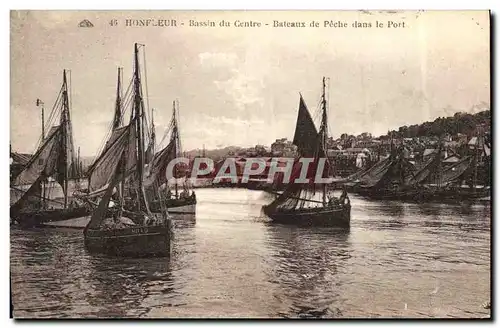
<point x="463" y="123"/>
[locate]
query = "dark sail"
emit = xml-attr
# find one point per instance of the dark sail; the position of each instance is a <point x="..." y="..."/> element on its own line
<point x="394" y="169"/>
<point x="117" y="119"/>
<point x="373" y="175"/>
<point x="308" y="143"/>
<point x="457" y="171"/>
<point x="306" y="135"/>
<point x="299" y="203"/>
<point x="152" y="141"/>
<point x="158" y="167"/>
<point x="159" y="162"/>
<point x="431" y="172"/>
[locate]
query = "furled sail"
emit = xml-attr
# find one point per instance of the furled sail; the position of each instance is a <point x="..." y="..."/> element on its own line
<point x="130" y="155"/>
<point x="359" y="175"/>
<point x="372" y="176"/>
<point x="394" y="169"/>
<point x="67" y="166"/>
<point x="430" y="173"/>
<point x="456" y="171"/>
<point x="148" y="157"/>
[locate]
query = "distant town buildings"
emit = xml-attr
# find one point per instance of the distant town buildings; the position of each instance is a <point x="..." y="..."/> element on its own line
<point x="283" y="148"/>
<point x="350" y="153"/>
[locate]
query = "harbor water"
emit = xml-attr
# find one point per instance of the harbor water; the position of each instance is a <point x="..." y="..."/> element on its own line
<point x="398" y="260"/>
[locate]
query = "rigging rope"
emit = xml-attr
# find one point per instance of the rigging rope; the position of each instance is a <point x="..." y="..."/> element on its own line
<point x="50" y="119"/>
<point x="125" y="101"/>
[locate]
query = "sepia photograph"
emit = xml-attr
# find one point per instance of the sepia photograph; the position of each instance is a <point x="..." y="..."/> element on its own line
<point x="250" y="164"/>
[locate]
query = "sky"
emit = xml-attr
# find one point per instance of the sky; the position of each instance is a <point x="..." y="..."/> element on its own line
<point x="240" y="86"/>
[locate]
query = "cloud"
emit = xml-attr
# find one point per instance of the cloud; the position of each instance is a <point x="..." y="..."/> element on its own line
<point x="242" y="78"/>
<point x="217" y="59"/>
<point x="217" y="121"/>
<point x="223" y="130"/>
<point x="245" y="89"/>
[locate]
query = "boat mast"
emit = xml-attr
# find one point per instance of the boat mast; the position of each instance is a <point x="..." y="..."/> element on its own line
<point x="477" y="156"/>
<point x="78" y="163"/>
<point x="153" y="133"/>
<point x="40" y="103"/>
<point x="174" y="133"/>
<point x="439" y="166"/>
<point x="65" y="122"/>
<point x="117" y="122"/>
<point x="139" y="117"/>
<point x="324" y="129"/>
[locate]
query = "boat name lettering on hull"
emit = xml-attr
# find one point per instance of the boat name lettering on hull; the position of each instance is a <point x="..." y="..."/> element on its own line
<point x="140" y="230"/>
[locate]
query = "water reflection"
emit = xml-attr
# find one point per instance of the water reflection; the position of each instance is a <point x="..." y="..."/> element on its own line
<point x="39" y="252"/>
<point x="383" y="214"/>
<point x="230" y="262"/>
<point x="304" y="265"/>
<point x="465" y="216"/>
<point x="122" y="287"/>
<point x="184" y="220"/>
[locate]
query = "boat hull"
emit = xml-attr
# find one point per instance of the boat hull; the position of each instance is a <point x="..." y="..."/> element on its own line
<point x="175" y="206"/>
<point x="425" y="195"/>
<point x="40" y="218"/>
<point x="134" y="241"/>
<point x="323" y="217"/>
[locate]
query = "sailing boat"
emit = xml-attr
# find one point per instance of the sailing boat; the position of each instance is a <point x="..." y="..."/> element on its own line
<point x="387" y="179"/>
<point x="295" y="204"/>
<point x="183" y="202"/>
<point x="394" y="178"/>
<point x="134" y="231"/>
<point x="54" y="158"/>
<point x="437" y="183"/>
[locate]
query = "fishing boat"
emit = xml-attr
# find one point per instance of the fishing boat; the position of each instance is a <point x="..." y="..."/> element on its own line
<point x="55" y="161"/>
<point x="387" y="179"/>
<point x="114" y="229"/>
<point x="297" y="204"/>
<point x="97" y="186"/>
<point x="394" y="178"/>
<point x="178" y="202"/>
